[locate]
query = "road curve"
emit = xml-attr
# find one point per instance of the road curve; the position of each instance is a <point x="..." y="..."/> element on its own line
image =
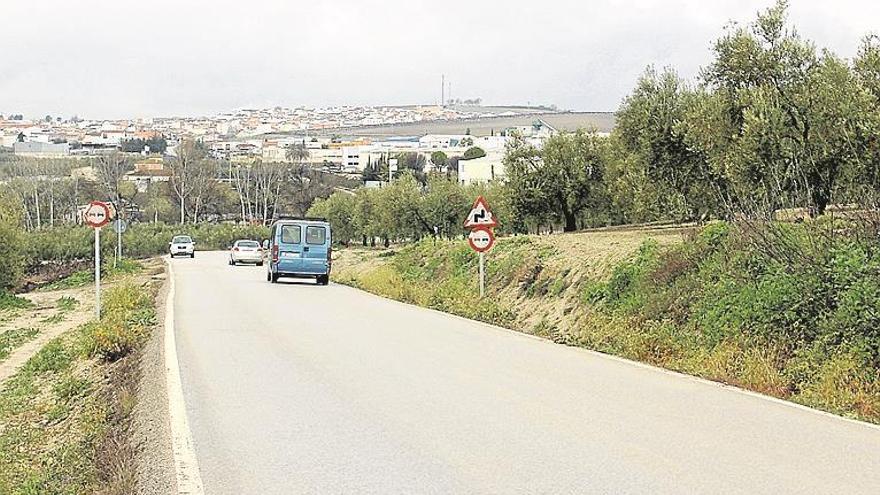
<point x="297" y="388"/>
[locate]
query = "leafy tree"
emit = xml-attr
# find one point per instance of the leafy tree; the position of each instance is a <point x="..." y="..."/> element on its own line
<point x="664" y="168"/>
<point x="444" y="205"/>
<point x="439" y="159"/>
<point x="473" y="152"/>
<point x="398" y="215"/>
<point x="574" y="165"/>
<point x="412" y="163"/>
<point x="297" y="153"/>
<point x="867" y="69"/>
<point x="364" y="216"/>
<point x="782" y="121"/>
<point x="156" y="144"/>
<point x="558" y="182"/>
<point x="529" y="186"/>
<point x="339" y="210"/>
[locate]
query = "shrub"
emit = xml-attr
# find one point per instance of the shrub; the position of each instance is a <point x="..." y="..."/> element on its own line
<point x="127" y="314"/>
<point x="11" y="241"/>
<point x="473" y="152"/>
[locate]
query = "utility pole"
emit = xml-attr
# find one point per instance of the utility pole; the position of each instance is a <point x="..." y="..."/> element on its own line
<point x="442" y="90"/>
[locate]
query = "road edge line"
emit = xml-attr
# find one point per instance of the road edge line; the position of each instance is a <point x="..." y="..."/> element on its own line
<point x="638" y="364"/>
<point x="186" y="466"/>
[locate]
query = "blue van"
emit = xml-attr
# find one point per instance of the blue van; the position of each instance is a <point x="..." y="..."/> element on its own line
<point x="299" y="248"/>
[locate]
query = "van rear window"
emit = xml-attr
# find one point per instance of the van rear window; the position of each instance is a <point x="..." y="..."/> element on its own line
<point x="316" y="235"/>
<point x="291" y="234"/>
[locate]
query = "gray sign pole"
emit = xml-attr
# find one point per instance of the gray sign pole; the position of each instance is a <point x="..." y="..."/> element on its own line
<point x="98" y="272"/>
<point x="482" y="274"/>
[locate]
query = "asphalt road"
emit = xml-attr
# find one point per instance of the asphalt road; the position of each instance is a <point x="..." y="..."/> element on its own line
<point x="297" y="388"/>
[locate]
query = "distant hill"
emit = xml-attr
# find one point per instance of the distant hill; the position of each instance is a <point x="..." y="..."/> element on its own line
<point x="482" y="126"/>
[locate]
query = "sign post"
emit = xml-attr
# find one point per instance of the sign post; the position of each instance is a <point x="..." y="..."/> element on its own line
<point x="98" y="273"/>
<point x="119" y="226"/>
<point x="482" y="274"/>
<point x="97" y="215"/>
<point x="481" y="238"/>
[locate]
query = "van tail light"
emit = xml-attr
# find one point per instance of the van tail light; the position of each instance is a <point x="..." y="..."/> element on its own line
<point x="235" y="248"/>
<point x="329" y="255"/>
<point x="275" y="252"/>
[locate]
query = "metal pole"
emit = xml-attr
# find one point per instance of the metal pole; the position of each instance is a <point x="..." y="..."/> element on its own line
<point x="98" y="273"/>
<point x="482" y="274"/>
<point x="119" y="242"/>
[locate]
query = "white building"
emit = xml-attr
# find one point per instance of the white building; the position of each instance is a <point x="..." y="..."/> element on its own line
<point x="41" y="150"/>
<point x="484" y="169"/>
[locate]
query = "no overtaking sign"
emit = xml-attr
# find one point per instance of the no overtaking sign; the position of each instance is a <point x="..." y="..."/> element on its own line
<point x="97" y="214"/>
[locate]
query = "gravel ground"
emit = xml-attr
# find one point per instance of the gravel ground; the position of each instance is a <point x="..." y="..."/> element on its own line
<point x="152" y="436"/>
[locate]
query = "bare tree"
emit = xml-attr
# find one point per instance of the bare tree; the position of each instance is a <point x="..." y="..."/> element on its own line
<point x="186" y="172"/>
<point x="111" y="170"/>
<point x="203" y="180"/>
<point x="267" y="184"/>
<point x="301" y="186"/>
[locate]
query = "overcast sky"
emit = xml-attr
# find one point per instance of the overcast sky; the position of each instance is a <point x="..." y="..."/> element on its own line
<point x="125" y="58"/>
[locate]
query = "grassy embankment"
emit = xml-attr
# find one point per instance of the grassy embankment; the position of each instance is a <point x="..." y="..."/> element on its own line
<point x="801" y="322"/>
<point x="65" y="415"/>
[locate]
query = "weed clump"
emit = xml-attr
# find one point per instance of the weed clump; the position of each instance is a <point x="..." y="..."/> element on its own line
<point x="127" y="315"/>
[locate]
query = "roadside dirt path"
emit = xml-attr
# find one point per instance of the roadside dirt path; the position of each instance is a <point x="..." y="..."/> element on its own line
<point x="46" y="307"/>
<point x="52" y="320"/>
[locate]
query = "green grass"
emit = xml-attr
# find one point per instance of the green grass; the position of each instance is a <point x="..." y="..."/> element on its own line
<point x="76" y="279"/>
<point x="10" y="302"/>
<point x="67" y="303"/>
<point x="52" y="320"/>
<point x="65" y="413"/>
<point x="12" y="339"/>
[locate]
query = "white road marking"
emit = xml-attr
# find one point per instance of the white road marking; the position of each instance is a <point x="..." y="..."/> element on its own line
<point x="186" y="467"/>
<point x="630" y="362"/>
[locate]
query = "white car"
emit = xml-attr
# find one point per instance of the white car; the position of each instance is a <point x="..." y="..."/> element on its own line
<point x="182" y="245"/>
<point x="245" y="251"/>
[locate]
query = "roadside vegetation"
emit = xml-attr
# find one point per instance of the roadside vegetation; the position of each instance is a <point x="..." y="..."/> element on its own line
<point x="771" y="156"/>
<point x="65" y="415"/>
<point x="799" y="324"/>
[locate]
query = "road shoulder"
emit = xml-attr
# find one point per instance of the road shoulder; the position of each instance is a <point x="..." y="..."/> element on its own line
<point x="151" y="435"/>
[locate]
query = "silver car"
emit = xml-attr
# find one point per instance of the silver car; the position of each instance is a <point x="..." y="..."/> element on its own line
<point x="246" y="251"/>
<point x="182" y="245"/>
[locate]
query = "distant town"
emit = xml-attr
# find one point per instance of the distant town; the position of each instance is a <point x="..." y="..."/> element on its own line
<point x="338" y="139"/>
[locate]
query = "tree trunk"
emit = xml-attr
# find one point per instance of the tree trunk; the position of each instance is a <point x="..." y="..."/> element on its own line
<point x="570" y="221"/>
<point x="821" y="199"/>
<point x="181" y="211"/>
<point x="37" y="209"/>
